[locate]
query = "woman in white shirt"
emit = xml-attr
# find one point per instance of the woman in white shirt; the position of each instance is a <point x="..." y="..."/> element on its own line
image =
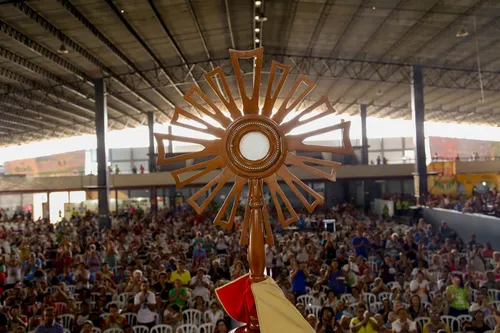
<point x="221" y="243"/>
<point x="214" y="314"/>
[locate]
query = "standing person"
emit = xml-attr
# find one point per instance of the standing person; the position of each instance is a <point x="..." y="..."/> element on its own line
<point x="457" y="295"/>
<point x="141" y="169"/>
<point x="298" y="277"/>
<point x="181" y="274"/>
<point x="145" y="304"/>
<point x="326" y="321"/>
<point x="134" y="169"/>
<point x="360" y="244"/>
<point x="363" y="322"/>
<point x="117" y="169"/>
<point x="49" y="325"/>
<point x="403" y="324"/>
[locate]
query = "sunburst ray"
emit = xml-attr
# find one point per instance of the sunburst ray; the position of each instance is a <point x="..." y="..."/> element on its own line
<point x="233" y="196"/>
<point x="271" y="97"/>
<point x="296" y="142"/>
<point x="250" y="104"/>
<point x="221" y="179"/>
<point x="210" y="129"/>
<point x="216" y="115"/>
<point x="225" y="96"/>
<point x="203" y="168"/>
<point x="211" y="148"/>
<point x="287" y="106"/>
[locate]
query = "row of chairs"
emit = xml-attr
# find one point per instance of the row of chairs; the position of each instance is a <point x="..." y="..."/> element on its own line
<point x="190" y="316"/>
<point x="455" y="323"/>
<point x="186" y="328"/>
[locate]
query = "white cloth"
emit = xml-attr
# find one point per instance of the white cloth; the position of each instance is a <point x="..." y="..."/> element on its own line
<point x="145" y="315"/>
<point x="397" y="326"/>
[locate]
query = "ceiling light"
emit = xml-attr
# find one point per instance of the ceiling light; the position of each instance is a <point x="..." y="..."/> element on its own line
<point x="374" y="8"/>
<point x="258" y="3"/>
<point x="257" y="30"/>
<point x="257" y="40"/>
<point x="122" y="11"/>
<point x="462" y="33"/>
<point x="62" y="49"/>
<point x="260" y="18"/>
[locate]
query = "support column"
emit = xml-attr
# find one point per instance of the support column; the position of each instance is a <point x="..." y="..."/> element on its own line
<point x="418" y="117"/>
<point x="101" y="124"/>
<point x="364" y="138"/>
<point x="152" y="159"/>
<point x="170" y="148"/>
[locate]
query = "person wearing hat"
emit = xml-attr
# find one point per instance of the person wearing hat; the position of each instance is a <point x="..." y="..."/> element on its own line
<point x="181" y="274"/>
<point x="364" y="321"/>
<point x="403" y="324"/>
<point x="201" y="285"/>
<point x="163" y="286"/>
<point x="87" y="327"/>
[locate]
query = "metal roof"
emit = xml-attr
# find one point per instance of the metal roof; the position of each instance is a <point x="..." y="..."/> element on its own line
<point x="151" y="51"/>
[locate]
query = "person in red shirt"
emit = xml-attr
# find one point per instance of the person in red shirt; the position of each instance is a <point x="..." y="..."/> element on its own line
<point x="488" y="251"/>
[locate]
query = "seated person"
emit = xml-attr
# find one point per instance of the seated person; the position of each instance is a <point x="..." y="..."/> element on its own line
<point x="435" y="324"/>
<point x="114" y="319"/>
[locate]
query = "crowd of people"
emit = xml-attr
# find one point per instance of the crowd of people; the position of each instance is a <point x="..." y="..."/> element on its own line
<point x="154" y="271"/>
<point x="488" y="203"/>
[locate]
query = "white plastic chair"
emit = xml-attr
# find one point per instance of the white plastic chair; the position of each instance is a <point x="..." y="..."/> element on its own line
<point x="308" y="290"/>
<point x="186" y="328"/>
<point x="464" y="318"/>
<point x="65" y="330"/>
<point x="206" y="328"/>
<point x="192" y="317"/>
<point x="314" y="309"/>
<point x="67" y="320"/>
<point x="375" y="307"/>
<point x="161" y="329"/>
<point x="119" y="304"/>
<point x="452" y="322"/>
<point x="124" y="297"/>
<point x="494" y="294"/>
<point x="490" y="321"/>
<point x="306" y="300"/>
<point x="384" y="295"/>
<point x="140" y="329"/>
<point x="345" y="298"/>
<point x="60" y="307"/>
<point x="131" y="318"/>
<point x="421" y="321"/>
<point x="473" y="294"/>
<point x="71" y="289"/>
<point x="96" y="330"/>
<point x="369" y="298"/>
<point x="496" y="304"/>
<point x="113" y="330"/>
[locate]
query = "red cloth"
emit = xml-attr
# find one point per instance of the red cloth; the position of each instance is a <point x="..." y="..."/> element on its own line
<point x="237" y="299"/>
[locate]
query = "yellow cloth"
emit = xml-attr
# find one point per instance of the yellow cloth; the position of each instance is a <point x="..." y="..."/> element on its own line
<point x="368" y="328"/>
<point x="275" y="312"/>
<point x="185" y="277"/>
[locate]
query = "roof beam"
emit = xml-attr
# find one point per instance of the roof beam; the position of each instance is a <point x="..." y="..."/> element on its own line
<point x="229" y="25"/>
<point x="172" y="41"/>
<point x="146" y="47"/>
<point x="28" y="11"/>
<point x="292" y="11"/>
<point x="346" y="29"/>
<point x="79" y="74"/>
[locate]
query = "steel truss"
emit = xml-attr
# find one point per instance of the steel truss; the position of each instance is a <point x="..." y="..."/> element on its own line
<point x="362" y="70"/>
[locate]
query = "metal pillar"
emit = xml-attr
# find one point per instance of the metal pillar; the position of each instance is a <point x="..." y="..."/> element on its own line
<point x="170" y="148"/>
<point x="101" y="124"/>
<point x="152" y="159"/>
<point x="364" y="138"/>
<point x="418" y="116"/>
